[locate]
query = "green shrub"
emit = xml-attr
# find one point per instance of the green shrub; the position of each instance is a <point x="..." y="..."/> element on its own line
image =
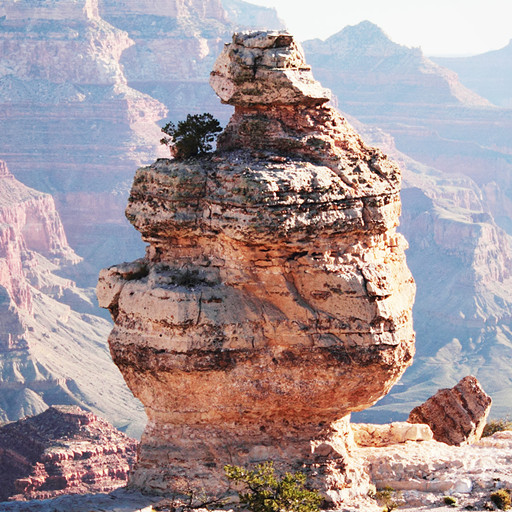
<point x="494" y="426"/>
<point x="191" y="137"/>
<point x="450" y="500"/>
<point x="264" y="492"/>
<point x="389" y="498"/>
<point x="501" y="499"/>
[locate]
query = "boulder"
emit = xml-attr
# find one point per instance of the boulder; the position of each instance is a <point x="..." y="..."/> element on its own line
<point x="456" y="416"/>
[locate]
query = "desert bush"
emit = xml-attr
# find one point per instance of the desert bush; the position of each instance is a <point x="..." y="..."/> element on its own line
<point x="389" y="498"/>
<point x="191" y="137"/>
<point x="450" y="500"/>
<point x="501" y="499"/>
<point x="494" y="426"/>
<point x="263" y="491"/>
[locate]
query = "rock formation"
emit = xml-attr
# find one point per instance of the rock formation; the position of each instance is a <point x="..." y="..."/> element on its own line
<point x="423" y="473"/>
<point x="366" y="434"/>
<point x="63" y="450"/>
<point x="52" y="348"/>
<point x="274" y="298"/>
<point x="456" y="416"/>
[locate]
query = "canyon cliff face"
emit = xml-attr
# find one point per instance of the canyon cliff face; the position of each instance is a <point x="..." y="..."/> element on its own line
<point x="51" y="347"/>
<point x="274" y="298"/>
<point x="71" y="126"/>
<point x="63" y="450"/>
<point x="176" y="43"/>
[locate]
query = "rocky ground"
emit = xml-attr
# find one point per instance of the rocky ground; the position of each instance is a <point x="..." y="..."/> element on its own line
<point x="422" y="474"/>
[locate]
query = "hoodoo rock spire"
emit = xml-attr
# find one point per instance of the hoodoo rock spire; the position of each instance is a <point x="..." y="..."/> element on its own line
<point x="274" y="298"/>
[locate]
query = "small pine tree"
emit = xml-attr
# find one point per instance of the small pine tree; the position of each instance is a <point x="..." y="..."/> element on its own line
<point x="264" y="492"/>
<point x="191" y="137"/>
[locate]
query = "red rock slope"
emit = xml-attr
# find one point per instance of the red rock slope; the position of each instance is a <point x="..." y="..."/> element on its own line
<point x="64" y="450"/>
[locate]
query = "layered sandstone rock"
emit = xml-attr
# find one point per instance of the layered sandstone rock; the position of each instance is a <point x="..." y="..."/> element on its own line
<point x="63" y="450"/>
<point x="423" y="473"/>
<point x="456" y="416"/>
<point x="366" y="434"/>
<point x="274" y="298"/>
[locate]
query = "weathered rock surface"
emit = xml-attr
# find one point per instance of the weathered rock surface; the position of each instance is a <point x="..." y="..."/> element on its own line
<point x="456" y="416"/>
<point x="367" y="434"/>
<point x="422" y="473"/>
<point x="425" y="472"/>
<point x="265" y="68"/>
<point x="52" y="348"/>
<point x="63" y="450"/>
<point x="274" y="298"/>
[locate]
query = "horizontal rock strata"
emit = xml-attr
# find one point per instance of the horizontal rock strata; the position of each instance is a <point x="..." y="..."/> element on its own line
<point x="64" y="450"/>
<point x="274" y="297"/>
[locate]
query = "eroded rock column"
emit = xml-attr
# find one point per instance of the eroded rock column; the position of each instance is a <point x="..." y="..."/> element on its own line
<point x="274" y="298"/>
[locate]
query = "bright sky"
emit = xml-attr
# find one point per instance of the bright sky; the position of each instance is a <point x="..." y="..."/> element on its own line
<point x="439" y="27"/>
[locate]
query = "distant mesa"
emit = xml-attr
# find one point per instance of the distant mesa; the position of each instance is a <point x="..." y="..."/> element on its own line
<point x="362" y="65"/>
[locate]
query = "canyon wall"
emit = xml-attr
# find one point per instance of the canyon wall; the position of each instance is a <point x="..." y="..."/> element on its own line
<point x="52" y="345"/>
<point x="70" y="124"/>
<point x="63" y="450"/>
<point x="488" y="73"/>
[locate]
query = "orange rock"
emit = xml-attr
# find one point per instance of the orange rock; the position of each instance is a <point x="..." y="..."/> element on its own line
<point x="274" y="298"/>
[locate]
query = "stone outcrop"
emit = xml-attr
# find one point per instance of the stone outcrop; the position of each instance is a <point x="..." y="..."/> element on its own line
<point x="366" y="434"/>
<point x="274" y="298"/>
<point x="423" y="473"/>
<point x="63" y="450"/>
<point x="456" y="416"/>
<point x="52" y="348"/>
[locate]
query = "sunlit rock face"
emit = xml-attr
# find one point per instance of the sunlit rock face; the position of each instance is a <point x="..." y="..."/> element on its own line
<point x="274" y="298"/>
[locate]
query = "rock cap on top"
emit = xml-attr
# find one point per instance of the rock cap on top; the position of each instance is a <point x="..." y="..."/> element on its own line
<point x="265" y="67"/>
